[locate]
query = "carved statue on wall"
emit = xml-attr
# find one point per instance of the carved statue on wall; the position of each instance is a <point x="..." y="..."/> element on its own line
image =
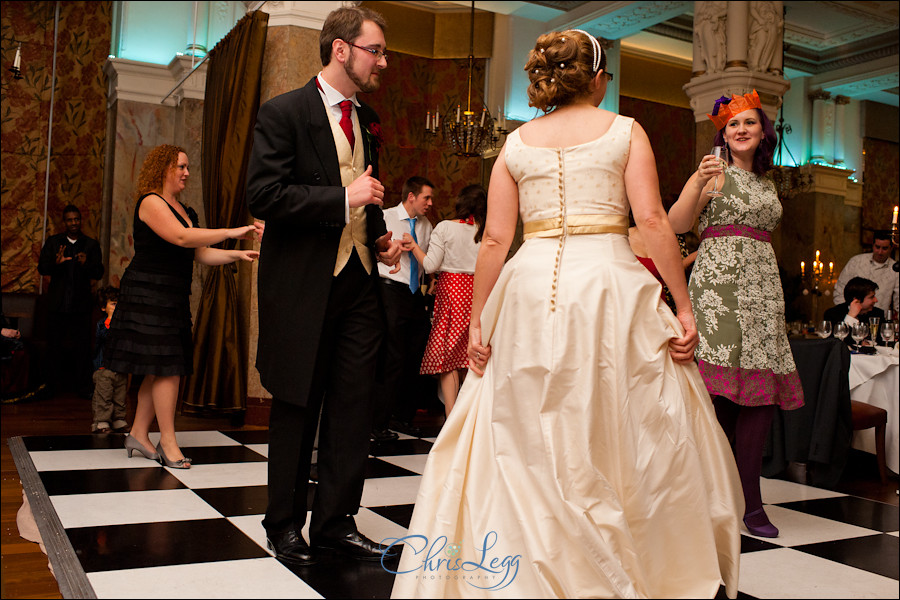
<point x="709" y="33"/>
<point x="765" y="35"/>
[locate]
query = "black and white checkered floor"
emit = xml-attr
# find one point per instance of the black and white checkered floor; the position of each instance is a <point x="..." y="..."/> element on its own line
<point x="129" y="528"/>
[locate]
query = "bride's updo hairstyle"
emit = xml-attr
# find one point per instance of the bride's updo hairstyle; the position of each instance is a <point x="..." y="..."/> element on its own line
<point x="560" y="68"/>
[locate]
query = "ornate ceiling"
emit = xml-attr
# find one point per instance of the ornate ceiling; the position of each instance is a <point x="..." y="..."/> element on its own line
<point x="847" y="47"/>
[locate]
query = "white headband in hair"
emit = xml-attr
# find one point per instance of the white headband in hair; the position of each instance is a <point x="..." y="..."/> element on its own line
<point x="598" y="50"/>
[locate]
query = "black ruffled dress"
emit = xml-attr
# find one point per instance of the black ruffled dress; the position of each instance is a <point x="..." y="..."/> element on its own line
<point x="150" y="332"/>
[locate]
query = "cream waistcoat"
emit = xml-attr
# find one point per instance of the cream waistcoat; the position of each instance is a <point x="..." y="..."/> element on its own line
<point x="352" y="165"/>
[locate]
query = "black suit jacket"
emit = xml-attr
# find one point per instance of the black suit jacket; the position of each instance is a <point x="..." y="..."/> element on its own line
<point x="70" y="281"/>
<point x="294" y="185"/>
<point x="836" y="314"/>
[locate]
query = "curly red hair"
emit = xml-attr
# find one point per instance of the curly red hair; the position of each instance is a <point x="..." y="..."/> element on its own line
<point x="156" y="166"/>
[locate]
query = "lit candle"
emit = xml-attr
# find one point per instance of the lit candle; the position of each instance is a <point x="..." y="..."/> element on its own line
<point x="428" y="121"/>
<point x="817" y="255"/>
<point x="802" y="268"/>
<point x="830" y="269"/>
<point x="893" y="221"/>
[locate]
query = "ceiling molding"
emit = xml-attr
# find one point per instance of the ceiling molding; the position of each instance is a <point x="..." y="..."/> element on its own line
<point x="817" y="67"/>
<point x="616" y="20"/>
<point x="876" y="75"/>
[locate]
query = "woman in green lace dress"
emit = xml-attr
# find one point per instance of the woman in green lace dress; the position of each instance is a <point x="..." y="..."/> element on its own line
<point x="744" y="355"/>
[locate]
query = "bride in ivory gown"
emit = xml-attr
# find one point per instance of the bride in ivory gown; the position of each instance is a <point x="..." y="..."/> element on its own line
<point x="583" y="457"/>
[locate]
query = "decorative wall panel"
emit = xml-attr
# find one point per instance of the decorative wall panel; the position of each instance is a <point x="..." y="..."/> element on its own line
<point x="78" y="135"/>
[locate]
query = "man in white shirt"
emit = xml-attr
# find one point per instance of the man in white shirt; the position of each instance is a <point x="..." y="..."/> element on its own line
<point x="875" y="266"/>
<point x="405" y="313"/>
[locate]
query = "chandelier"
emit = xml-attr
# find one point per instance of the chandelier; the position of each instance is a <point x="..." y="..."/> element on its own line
<point x="789" y="181"/>
<point x="468" y="132"/>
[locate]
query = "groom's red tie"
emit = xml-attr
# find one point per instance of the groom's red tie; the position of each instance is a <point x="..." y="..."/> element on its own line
<point x="346" y="121"/>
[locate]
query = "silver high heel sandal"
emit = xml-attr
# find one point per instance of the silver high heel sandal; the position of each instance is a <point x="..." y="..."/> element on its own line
<point x="184" y="463"/>
<point x="132" y="444"/>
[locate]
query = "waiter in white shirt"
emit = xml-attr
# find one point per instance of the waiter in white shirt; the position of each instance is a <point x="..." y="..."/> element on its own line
<point x="405" y="315"/>
<point x="875" y="266"/>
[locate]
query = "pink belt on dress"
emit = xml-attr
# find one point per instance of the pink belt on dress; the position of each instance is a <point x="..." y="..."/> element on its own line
<point x="738" y="230"/>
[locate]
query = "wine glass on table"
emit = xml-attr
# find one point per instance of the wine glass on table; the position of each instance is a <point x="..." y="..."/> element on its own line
<point x="858" y="332"/>
<point x="841" y="330"/>
<point x="888" y="330"/>
<point x="823" y="329"/>
<point x="874" y="322"/>
<point x="721" y="153"/>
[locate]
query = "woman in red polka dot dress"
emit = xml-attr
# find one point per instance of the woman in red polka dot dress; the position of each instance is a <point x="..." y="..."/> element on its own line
<point x="452" y="251"/>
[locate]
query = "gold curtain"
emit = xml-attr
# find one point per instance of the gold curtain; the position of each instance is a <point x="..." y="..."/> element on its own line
<point x="218" y="385"/>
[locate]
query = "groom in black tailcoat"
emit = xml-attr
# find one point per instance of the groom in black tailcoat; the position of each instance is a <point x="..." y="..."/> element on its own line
<point x="313" y="178"/>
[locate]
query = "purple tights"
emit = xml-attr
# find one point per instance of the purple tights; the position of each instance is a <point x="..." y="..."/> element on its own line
<point x="747" y="428"/>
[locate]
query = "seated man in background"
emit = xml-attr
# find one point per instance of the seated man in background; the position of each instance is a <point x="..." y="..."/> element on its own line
<point x="859" y="304"/>
<point x="875" y="266"/>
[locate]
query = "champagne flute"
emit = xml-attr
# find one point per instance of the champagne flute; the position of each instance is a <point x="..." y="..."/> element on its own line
<point x="721" y="153"/>
<point x="874" y="322"/>
<point x="887" y="332"/>
<point x="823" y="329"/>
<point x="858" y="332"/>
<point x="841" y="330"/>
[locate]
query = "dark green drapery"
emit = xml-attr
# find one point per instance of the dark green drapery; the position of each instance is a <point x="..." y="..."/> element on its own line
<point x="221" y="332"/>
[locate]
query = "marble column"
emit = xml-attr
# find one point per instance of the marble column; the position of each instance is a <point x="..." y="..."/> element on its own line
<point x="292" y="45"/>
<point x="737" y="31"/>
<point x="819" y="129"/>
<point x="731" y="22"/>
<point x="291" y="59"/>
<point x="840" y="102"/>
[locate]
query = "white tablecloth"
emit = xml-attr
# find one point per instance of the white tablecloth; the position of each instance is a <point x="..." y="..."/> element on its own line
<point x="875" y="380"/>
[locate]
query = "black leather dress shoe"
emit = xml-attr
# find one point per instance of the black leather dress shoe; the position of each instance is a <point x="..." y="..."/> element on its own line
<point x="384" y="435"/>
<point x="354" y="544"/>
<point x="290" y="548"/>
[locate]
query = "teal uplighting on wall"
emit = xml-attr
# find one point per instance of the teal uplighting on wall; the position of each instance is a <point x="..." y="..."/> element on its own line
<point x="155" y="32"/>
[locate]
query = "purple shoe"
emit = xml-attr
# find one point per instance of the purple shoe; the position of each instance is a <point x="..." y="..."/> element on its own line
<point x="758" y="524"/>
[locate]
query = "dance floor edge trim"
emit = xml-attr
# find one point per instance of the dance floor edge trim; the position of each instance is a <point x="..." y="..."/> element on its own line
<point x="73" y="581"/>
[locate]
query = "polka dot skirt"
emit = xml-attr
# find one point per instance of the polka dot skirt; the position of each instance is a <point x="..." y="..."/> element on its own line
<point x="446" y="350"/>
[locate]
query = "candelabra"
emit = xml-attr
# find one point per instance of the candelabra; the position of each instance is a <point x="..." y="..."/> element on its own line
<point x="471" y="133"/>
<point x="816" y="282"/>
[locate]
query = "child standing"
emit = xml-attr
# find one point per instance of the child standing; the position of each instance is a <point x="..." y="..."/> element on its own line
<point x="110" y="388"/>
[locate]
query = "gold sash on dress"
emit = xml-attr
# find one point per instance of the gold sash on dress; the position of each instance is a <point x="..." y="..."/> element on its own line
<point x="576" y="225"/>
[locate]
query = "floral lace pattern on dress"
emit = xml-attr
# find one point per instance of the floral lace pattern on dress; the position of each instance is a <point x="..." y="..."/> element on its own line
<point x="737" y="297"/>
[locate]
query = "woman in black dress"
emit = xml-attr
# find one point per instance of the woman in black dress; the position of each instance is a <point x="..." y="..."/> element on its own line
<point x="150" y="333"/>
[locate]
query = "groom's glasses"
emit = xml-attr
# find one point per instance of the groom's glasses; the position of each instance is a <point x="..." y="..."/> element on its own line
<point x="378" y="54"/>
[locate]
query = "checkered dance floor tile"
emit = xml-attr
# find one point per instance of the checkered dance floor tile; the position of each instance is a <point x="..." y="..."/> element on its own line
<point x="127" y="528"/>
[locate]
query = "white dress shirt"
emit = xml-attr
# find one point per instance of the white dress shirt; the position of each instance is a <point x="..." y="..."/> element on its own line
<point x="883" y="274"/>
<point x="332" y="99"/>
<point x="452" y="248"/>
<point x="396" y="221"/>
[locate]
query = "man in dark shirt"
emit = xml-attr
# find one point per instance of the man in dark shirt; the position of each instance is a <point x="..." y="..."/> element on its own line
<point x="859" y="306"/>
<point x="71" y="260"/>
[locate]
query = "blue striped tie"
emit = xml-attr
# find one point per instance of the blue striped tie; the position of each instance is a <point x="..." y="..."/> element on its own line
<point x="413" y="263"/>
